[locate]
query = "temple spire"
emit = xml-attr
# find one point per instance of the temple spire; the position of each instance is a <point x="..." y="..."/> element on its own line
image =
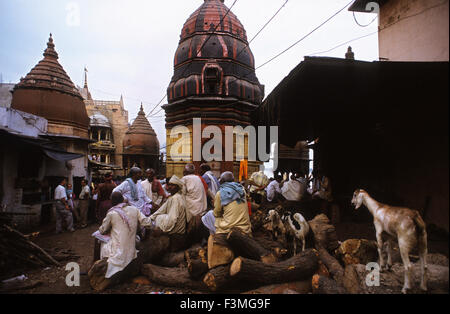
<point x="50" y="51"/>
<point x="85" y="78"/>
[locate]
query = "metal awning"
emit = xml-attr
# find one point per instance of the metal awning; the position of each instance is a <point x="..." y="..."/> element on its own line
<point x="45" y="146"/>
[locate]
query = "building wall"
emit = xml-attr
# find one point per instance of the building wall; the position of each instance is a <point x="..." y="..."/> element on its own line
<point x="118" y="117"/>
<point x="414" y="30"/>
<point x="177" y="167"/>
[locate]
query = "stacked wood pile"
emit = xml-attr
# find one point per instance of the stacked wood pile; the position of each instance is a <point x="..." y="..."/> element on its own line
<point x="17" y="250"/>
<point x="241" y="263"/>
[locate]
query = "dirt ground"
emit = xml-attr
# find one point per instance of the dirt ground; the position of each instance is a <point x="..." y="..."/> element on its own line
<point x="81" y="245"/>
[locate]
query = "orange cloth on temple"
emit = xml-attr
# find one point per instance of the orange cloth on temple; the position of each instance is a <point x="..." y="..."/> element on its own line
<point x="243" y="170"/>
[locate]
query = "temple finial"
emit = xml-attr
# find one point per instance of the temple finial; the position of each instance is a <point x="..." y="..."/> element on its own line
<point x="350" y="55"/>
<point x="85" y="77"/>
<point x="50" y="51"/>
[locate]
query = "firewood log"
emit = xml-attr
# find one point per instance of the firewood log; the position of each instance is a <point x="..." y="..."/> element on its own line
<point x="172" y="259"/>
<point x="218" y="252"/>
<point x="33" y="246"/>
<point x="332" y="264"/>
<point x="218" y="279"/>
<point x="197" y="262"/>
<point x="245" y="246"/>
<point x="277" y="248"/>
<point x="324" y="285"/>
<point x="300" y="267"/>
<point x="96" y="275"/>
<point x="171" y="277"/>
<point x="153" y="248"/>
<point x="324" y="233"/>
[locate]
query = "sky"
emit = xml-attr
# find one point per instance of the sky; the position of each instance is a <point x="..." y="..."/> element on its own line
<point x="128" y="46"/>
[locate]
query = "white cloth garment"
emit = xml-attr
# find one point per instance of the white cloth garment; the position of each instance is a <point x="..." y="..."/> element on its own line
<point x="155" y="197"/>
<point x="85" y="192"/>
<point x="292" y="190"/>
<point x="214" y="186"/>
<point x="60" y="193"/>
<point x="125" y="189"/>
<point x="273" y="187"/>
<point x="121" y="249"/>
<point x="171" y="217"/>
<point x="209" y="220"/>
<point x="195" y="194"/>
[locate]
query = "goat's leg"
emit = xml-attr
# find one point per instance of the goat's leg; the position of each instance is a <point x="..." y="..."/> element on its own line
<point x="423" y="262"/>
<point x="380" y="245"/>
<point x="389" y="254"/>
<point x="295" y="246"/>
<point x="404" y="252"/>
<point x="303" y="243"/>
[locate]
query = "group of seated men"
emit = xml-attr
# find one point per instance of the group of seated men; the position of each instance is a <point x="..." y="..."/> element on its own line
<point x="292" y="188"/>
<point x="194" y="207"/>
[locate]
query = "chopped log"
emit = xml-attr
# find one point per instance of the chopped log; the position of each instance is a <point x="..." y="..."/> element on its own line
<point x="171" y="277"/>
<point x="218" y="253"/>
<point x="197" y="268"/>
<point x="300" y="287"/>
<point x="332" y="264"/>
<point x="172" y="259"/>
<point x="357" y="251"/>
<point x="351" y="281"/>
<point x="277" y="248"/>
<point x="218" y="279"/>
<point x="324" y="285"/>
<point x="322" y="270"/>
<point x="31" y="244"/>
<point x="324" y="233"/>
<point x="300" y="267"/>
<point x="197" y="262"/>
<point x="96" y="275"/>
<point x="245" y="246"/>
<point x="153" y="248"/>
<point x="195" y="252"/>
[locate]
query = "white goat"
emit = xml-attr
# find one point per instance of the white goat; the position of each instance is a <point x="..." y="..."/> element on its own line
<point x="277" y="227"/>
<point x="397" y="222"/>
<point x="298" y="228"/>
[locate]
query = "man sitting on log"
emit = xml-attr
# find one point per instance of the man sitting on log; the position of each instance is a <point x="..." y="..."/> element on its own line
<point x="230" y="206"/>
<point x="171" y="217"/>
<point x="195" y="192"/>
<point x="118" y="233"/>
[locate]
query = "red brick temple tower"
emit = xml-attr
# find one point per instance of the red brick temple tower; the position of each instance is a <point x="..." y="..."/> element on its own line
<point x="214" y="79"/>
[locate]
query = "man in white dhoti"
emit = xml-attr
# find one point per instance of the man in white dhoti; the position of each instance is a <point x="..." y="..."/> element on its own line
<point x="133" y="193"/>
<point x="120" y="225"/>
<point x="171" y="217"/>
<point x="292" y="190"/>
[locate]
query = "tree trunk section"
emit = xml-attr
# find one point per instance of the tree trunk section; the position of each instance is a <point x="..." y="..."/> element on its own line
<point x="153" y="248"/>
<point x="245" y="246"/>
<point x="300" y="267"/>
<point x="219" y="253"/>
<point x="218" y="279"/>
<point x="324" y="233"/>
<point x="171" y="277"/>
<point x="332" y="264"/>
<point x="172" y="259"/>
